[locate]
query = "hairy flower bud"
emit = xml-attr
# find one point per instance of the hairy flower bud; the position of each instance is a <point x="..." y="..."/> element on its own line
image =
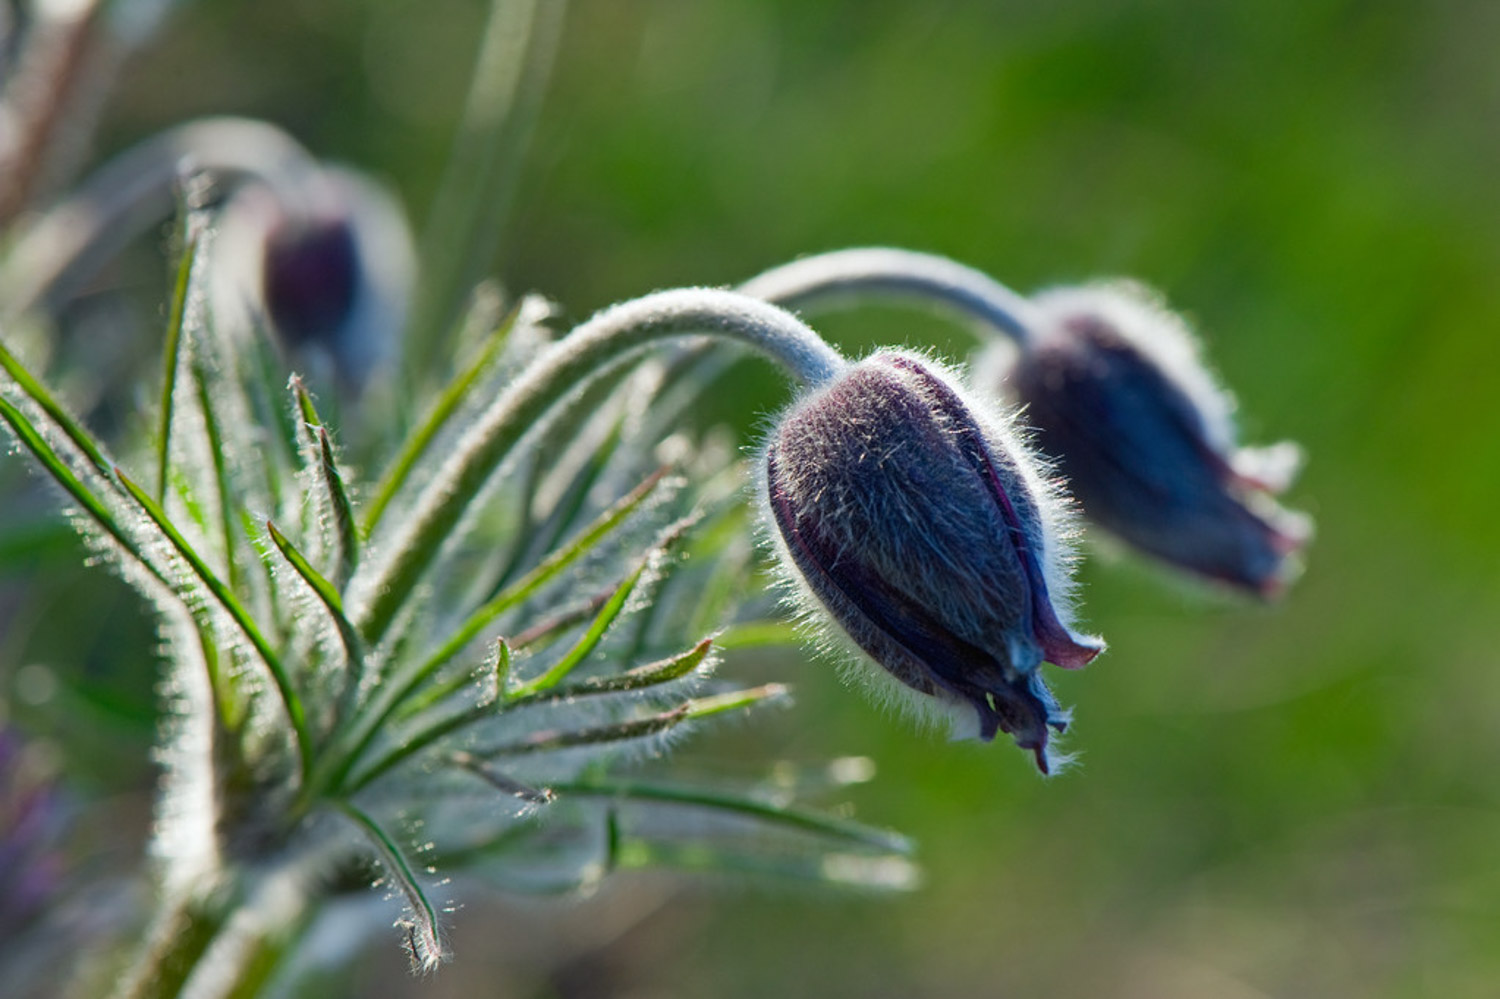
<point x="310" y="277"/>
<point x="326" y="256"/>
<point x="1113" y="384"/>
<point x="919" y="525"/>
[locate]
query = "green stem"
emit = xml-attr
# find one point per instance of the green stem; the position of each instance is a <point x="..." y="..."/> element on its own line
<point x="177" y="942"/>
<point x="58" y="253"/>
<point x="180" y="289"/>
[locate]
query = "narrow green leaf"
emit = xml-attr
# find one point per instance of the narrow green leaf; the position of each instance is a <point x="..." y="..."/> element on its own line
<point x="302" y="399"/>
<point x="290" y="700"/>
<point x="502" y="665"/>
<point x="448" y="403"/>
<point x="346" y="536"/>
<point x="221" y="477"/>
<point x="343" y="510"/>
<point x="500" y="782"/>
<point x="549" y="740"/>
<point x="758" y="634"/>
<point x="585" y="645"/>
<point x="650" y="675"/>
<point x="862" y="871"/>
<point x="34" y="442"/>
<point x="614" y="840"/>
<point x="391" y="694"/>
<point x="38" y="394"/>
<point x="353" y="647"/>
<point x="752" y="807"/>
<point x="734" y="700"/>
<point x="176" y="317"/>
<point x="423" y="933"/>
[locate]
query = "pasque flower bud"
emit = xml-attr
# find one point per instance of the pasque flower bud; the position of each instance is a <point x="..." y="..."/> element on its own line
<point x="920" y="525"/>
<point x="1114" y="387"/>
<point x="326" y="256"/>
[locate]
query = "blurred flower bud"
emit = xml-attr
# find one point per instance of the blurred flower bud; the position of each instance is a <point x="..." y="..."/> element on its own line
<point x="1114" y="386"/>
<point x="920" y="526"/>
<point x="326" y="256"/>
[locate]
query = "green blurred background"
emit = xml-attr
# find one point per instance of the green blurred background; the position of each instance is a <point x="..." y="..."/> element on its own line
<point x="1288" y="800"/>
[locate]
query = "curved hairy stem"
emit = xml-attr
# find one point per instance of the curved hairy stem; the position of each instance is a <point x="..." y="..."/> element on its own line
<point x="603" y="341"/>
<point x="831" y="279"/>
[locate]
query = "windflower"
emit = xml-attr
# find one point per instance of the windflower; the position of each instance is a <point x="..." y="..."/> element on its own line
<point x="1114" y="385"/>
<point x="325" y="256"/>
<point x="924" y="530"/>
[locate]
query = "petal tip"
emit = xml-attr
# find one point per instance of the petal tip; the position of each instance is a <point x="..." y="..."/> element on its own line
<point x="1071" y="651"/>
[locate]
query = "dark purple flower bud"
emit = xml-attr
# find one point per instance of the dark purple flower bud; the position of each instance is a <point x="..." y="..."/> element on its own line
<point x="1113" y="384"/>
<point x="311" y="274"/>
<point x="325" y="256"/>
<point x="919" y="523"/>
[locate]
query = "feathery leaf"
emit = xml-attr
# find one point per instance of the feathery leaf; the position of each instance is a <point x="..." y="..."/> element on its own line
<point x="423" y="932"/>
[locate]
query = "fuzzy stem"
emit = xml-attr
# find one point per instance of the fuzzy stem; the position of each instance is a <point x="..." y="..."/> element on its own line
<point x="177" y="942"/>
<point x="598" y="344"/>
<point x="829" y="280"/>
<point x="226" y="942"/>
<point x="279" y="903"/>
<point x="129" y="195"/>
<point x="58" y="62"/>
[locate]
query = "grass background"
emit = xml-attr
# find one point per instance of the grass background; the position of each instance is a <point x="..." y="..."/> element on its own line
<point x="1293" y="800"/>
